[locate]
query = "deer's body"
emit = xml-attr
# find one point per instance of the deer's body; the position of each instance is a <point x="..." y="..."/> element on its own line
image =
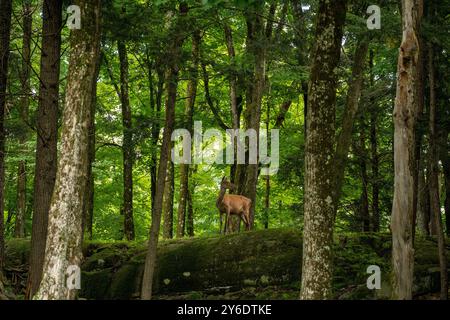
<point x="231" y="204"/>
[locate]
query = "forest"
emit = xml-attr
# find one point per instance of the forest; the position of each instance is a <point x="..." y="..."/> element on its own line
<point x="224" y="149"/>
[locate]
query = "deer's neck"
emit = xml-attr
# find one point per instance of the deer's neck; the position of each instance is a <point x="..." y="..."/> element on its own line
<point x="221" y="195"/>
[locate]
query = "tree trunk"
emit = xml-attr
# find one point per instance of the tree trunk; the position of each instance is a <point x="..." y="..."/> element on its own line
<point x="190" y="213"/>
<point x="364" y="200"/>
<point x="351" y="108"/>
<point x="188" y="112"/>
<point x="127" y="144"/>
<point x="374" y="152"/>
<point x="319" y="150"/>
<point x="156" y="113"/>
<point x="19" y="229"/>
<point x="174" y="51"/>
<point x="423" y="202"/>
<point x="5" y="30"/>
<point x="257" y="41"/>
<point x="168" y="202"/>
<point x="88" y="205"/>
<point x="47" y="134"/>
<point x="65" y="236"/>
<point x="435" y="203"/>
<point x="446" y="167"/>
<point x="405" y="113"/>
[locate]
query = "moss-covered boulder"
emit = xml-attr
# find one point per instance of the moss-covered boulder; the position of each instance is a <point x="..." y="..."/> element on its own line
<point x="262" y="264"/>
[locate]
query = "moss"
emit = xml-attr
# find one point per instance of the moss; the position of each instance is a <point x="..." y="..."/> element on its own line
<point x="95" y="284"/>
<point x="125" y="282"/>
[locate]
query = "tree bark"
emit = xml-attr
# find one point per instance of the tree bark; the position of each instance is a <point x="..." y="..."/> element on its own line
<point x="5" y="30"/>
<point x="47" y="133"/>
<point x="423" y="202"/>
<point x="188" y="112"/>
<point x="65" y="235"/>
<point x="446" y="166"/>
<point x="174" y="52"/>
<point x="405" y="113"/>
<point x="168" y="202"/>
<point x="435" y="203"/>
<point x="351" y="109"/>
<point x="257" y="41"/>
<point x="88" y="205"/>
<point x="364" y="205"/>
<point x="19" y="228"/>
<point x="127" y="144"/>
<point x="319" y="167"/>
<point x="375" y="161"/>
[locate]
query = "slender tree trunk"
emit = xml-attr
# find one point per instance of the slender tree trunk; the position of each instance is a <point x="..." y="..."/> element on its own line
<point x="19" y="229"/>
<point x="446" y="165"/>
<point x="88" y="205"/>
<point x="127" y="145"/>
<point x="5" y="30"/>
<point x="156" y="113"/>
<point x="351" y="108"/>
<point x="190" y="213"/>
<point x="63" y="249"/>
<point x="174" y="51"/>
<point x="168" y="202"/>
<point x="374" y="152"/>
<point x="47" y="132"/>
<point x="434" y="177"/>
<point x="423" y="205"/>
<point x="257" y="48"/>
<point x="405" y="113"/>
<point x="188" y="112"/>
<point x="319" y="166"/>
<point x="364" y="208"/>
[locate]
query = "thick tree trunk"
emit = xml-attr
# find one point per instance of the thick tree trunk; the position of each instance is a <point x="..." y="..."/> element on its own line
<point x="188" y="112"/>
<point x="435" y="203"/>
<point x="405" y="113"/>
<point x="127" y="144"/>
<point x="174" y="50"/>
<point x="168" y="202"/>
<point x="65" y="236"/>
<point x="47" y="132"/>
<point x="5" y="30"/>
<point x="319" y="167"/>
<point x="19" y="229"/>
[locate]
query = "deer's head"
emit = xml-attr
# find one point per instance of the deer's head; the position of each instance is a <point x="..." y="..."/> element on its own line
<point x="225" y="184"/>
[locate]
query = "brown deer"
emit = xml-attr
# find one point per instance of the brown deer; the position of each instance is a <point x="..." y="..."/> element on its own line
<point x="231" y="204"/>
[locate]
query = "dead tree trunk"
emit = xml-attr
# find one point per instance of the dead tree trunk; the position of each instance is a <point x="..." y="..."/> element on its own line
<point x="405" y="113"/>
<point x="63" y="249"/>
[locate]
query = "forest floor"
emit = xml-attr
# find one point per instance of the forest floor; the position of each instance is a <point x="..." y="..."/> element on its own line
<point x="264" y="264"/>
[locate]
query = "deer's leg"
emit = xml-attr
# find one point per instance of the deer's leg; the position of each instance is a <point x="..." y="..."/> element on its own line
<point x="227" y="222"/>
<point x="220" y="225"/>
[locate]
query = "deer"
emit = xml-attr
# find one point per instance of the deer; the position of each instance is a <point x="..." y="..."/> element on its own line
<point x="232" y="204"/>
